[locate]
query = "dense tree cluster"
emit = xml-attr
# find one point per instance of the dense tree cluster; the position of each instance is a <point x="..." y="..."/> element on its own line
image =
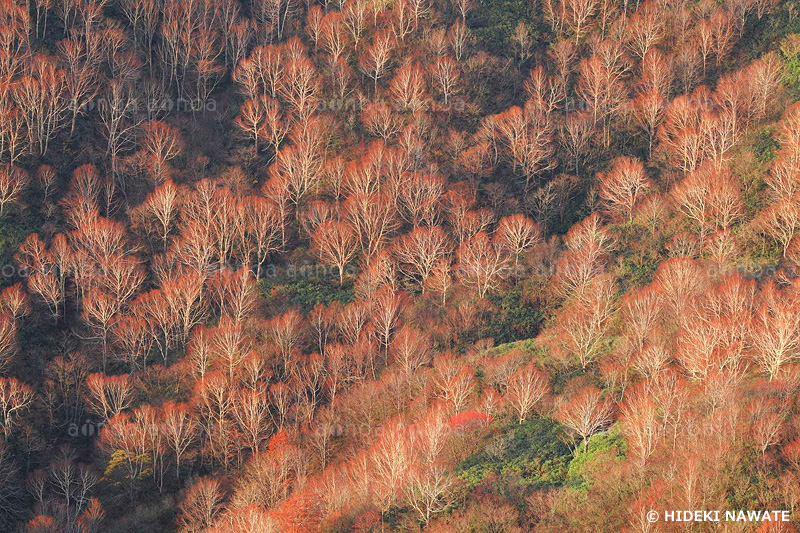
<point x="360" y="265"/>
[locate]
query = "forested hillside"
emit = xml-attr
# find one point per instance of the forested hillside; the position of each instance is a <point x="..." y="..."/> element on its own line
<point x="392" y="265"/>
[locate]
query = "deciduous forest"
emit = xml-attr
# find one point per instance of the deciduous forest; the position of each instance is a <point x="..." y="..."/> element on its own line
<point x="397" y="265"/>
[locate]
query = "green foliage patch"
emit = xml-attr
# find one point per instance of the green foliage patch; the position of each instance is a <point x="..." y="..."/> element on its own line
<point x="306" y="291"/>
<point x="636" y="268"/>
<point x="493" y="23"/>
<point x="534" y="453"/>
<point x="602" y="445"/>
<point x="765" y="145"/>
<point x="514" y="318"/>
